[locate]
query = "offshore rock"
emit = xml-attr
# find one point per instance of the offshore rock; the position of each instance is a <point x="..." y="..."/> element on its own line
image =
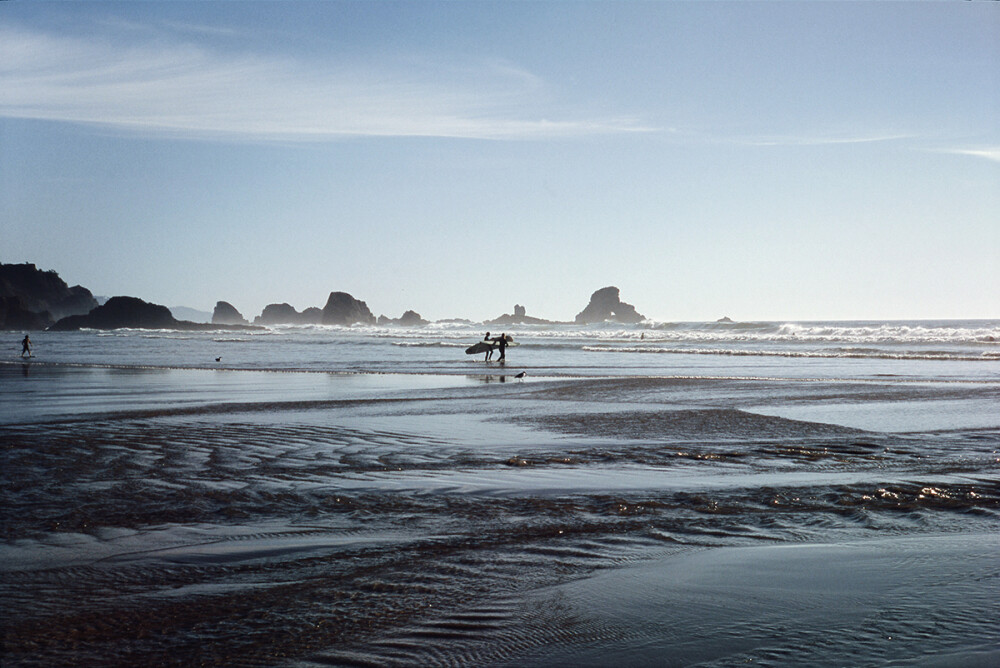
<point x="411" y="318"/>
<point x="226" y="314"/>
<point x="520" y="317"/>
<point x="408" y="319"/>
<point x="343" y="309"/>
<point x="122" y="312"/>
<point x="278" y="314"/>
<point x="312" y="316"/>
<point x="285" y="314"/>
<point x="39" y="292"/>
<point x="605" y="304"/>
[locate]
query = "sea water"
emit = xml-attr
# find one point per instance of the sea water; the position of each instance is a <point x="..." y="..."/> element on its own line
<point x="646" y="349"/>
<point x="674" y="493"/>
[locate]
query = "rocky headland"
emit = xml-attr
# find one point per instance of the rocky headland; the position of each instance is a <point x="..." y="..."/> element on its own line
<point x="133" y="313"/>
<point x="33" y="299"/>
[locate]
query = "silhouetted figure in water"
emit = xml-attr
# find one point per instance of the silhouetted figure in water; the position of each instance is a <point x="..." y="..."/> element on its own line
<point x="502" y="344"/>
<point x="26" y="346"/>
<point x="489" y="352"/>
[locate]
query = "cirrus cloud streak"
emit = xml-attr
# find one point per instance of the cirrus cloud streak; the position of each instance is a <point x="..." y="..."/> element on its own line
<point x="184" y="89"/>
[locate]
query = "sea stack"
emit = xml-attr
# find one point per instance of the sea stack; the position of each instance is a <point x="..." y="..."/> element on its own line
<point x="605" y="304"/>
<point x="343" y="309"/>
<point x="226" y="314"/>
<point x="520" y="317"/>
<point x="408" y="319"/>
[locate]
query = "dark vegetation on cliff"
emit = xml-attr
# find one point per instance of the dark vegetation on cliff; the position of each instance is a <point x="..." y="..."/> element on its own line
<point x="33" y="299"/>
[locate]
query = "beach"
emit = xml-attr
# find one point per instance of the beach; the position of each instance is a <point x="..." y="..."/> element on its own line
<point x="779" y="506"/>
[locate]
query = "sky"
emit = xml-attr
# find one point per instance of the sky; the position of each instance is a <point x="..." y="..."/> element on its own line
<point x="757" y="160"/>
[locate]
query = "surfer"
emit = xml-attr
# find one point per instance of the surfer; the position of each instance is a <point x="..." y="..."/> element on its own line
<point x="489" y="351"/>
<point x="26" y="346"/>
<point x="502" y="344"/>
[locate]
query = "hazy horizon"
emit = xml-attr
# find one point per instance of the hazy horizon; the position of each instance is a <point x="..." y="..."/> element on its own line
<point x="761" y="161"/>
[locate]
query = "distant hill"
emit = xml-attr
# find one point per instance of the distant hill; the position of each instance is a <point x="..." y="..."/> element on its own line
<point x="190" y="314"/>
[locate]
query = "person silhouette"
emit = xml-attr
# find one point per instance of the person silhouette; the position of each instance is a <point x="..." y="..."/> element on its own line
<point x="489" y="351"/>
<point x="502" y="344"/>
<point x="26" y="346"/>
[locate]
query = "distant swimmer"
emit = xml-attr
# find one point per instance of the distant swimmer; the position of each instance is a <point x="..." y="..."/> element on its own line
<point x="489" y="351"/>
<point x="26" y="346"/>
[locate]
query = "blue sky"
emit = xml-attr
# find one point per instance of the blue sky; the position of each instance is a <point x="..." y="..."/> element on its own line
<point x="762" y="160"/>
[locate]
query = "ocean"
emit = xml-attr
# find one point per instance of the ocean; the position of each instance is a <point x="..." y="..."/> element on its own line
<point x="812" y="493"/>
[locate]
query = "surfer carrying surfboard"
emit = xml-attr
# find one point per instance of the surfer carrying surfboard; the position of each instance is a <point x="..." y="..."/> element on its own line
<point x="489" y="344"/>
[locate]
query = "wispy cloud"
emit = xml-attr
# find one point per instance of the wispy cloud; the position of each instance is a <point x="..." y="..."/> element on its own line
<point x="147" y="29"/>
<point x="823" y="140"/>
<point x="170" y="87"/>
<point x="990" y="153"/>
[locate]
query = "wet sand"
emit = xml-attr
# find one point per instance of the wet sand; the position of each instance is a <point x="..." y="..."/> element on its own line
<point x="279" y="519"/>
<point x="928" y="600"/>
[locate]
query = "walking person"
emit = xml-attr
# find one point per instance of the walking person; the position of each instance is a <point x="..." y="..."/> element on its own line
<point x="489" y="352"/>
<point x="26" y="346"/>
<point x="502" y="343"/>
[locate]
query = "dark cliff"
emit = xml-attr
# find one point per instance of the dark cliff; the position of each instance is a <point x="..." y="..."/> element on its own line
<point x="33" y="299"/>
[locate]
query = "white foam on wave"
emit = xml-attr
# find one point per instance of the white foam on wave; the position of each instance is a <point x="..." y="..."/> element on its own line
<point x="855" y="333"/>
<point x="819" y="354"/>
<point x="429" y="344"/>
